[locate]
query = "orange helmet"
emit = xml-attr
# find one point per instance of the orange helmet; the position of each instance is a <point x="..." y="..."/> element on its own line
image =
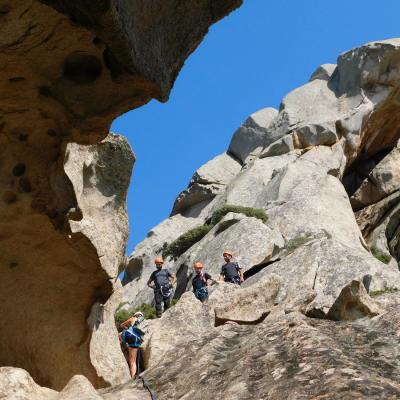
<point x="227" y="253"/>
<point x="158" y="260"/>
<point x="198" y="265"/>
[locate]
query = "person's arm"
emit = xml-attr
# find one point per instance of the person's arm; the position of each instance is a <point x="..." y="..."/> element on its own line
<point x="150" y="282"/>
<point x="210" y="278"/>
<point x="129" y="322"/>
<point x="240" y="270"/>
<point x="173" y="278"/>
<point x="222" y="275"/>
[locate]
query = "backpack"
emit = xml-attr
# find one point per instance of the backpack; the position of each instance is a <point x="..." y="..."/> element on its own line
<point x="141" y="325"/>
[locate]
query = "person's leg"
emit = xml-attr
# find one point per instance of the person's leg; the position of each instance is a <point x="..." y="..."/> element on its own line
<point x="167" y="302"/>
<point x="132" y="360"/>
<point x="158" y="299"/>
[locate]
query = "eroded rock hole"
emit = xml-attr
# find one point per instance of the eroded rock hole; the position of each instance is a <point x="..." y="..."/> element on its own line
<point x="19" y="169"/>
<point x="23" y="137"/>
<point x="82" y="68"/>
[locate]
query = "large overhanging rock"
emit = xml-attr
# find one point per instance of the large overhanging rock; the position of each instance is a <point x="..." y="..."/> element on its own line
<point x="68" y="69"/>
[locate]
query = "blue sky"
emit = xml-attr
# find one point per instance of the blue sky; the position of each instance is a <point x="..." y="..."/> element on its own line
<point x="248" y="61"/>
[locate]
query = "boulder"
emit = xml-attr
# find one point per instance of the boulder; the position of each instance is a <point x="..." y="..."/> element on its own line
<point x="207" y="182"/>
<point x="250" y="305"/>
<point x="250" y="184"/>
<point x="252" y="136"/>
<point x="17" y="384"/>
<point x="325" y="267"/>
<point x="324" y="72"/>
<point x="353" y="303"/>
<point x="382" y="181"/>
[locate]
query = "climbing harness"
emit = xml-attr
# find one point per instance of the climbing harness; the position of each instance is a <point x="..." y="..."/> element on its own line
<point x="131" y="337"/>
<point x="166" y="290"/>
<point x="201" y="293"/>
<point x="146" y="384"/>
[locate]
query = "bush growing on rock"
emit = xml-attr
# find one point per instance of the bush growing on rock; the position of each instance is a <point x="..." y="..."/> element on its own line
<point x="380" y="255"/>
<point x="189" y="238"/>
<point x="296" y="242"/>
<point x="185" y="241"/>
<point x="247" y="211"/>
<point x="122" y="314"/>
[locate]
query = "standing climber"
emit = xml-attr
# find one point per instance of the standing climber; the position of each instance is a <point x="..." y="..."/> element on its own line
<point x="231" y="271"/>
<point x="131" y="336"/>
<point x="200" y="282"/>
<point x="162" y="282"/>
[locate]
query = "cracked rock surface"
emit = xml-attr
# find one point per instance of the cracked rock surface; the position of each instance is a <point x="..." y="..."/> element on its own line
<point x="316" y="317"/>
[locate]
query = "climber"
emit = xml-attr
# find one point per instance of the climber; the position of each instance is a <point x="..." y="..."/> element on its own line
<point x="231" y="271"/>
<point x="131" y="336"/>
<point x="200" y="282"/>
<point x="162" y="282"/>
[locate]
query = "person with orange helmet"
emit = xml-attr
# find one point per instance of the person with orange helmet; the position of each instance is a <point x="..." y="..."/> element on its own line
<point x="231" y="271"/>
<point x="200" y="282"/>
<point x="161" y="281"/>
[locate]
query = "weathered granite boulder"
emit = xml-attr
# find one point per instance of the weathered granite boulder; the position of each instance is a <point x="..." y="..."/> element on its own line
<point x="324" y="72"/>
<point x="209" y="180"/>
<point x="382" y="181"/>
<point x="16" y="384"/>
<point x="354" y="303"/>
<point x="252" y="136"/>
<point x="68" y="69"/>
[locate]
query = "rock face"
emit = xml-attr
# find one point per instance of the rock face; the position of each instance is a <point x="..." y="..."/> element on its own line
<point x="68" y="69"/>
<point x="324" y="169"/>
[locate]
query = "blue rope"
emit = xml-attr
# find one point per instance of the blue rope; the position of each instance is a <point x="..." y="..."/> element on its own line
<point x="146" y="384"/>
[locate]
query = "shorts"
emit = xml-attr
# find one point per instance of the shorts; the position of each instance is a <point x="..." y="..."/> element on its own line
<point x="131" y="340"/>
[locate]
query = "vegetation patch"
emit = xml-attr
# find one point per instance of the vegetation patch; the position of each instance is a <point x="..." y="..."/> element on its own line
<point x="176" y="248"/>
<point x="185" y="241"/>
<point x="247" y="211"/>
<point x="381" y="255"/>
<point x="375" y="293"/>
<point x="296" y="242"/>
<point x="122" y="315"/>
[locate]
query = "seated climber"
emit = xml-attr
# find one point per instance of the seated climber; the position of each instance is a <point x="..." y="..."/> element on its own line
<point x="231" y="271"/>
<point x="162" y="282"/>
<point x="200" y="282"/>
<point x="131" y="336"/>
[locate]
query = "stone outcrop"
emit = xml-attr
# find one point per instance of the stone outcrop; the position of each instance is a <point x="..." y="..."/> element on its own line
<point x="324" y="170"/>
<point x="16" y="384"/>
<point x="68" y="69"/>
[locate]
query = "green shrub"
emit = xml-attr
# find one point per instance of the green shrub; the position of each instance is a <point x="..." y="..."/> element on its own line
<point x="122" y="315"/>
<point x="380" y="255"/>
<point x="248" y="211"/>
<point x="189" y="238"/>
<point x="174" y="301"/>
<point x="185" y="241"/>
<point x="296" y="242"/>
<point x="375" y="293"/>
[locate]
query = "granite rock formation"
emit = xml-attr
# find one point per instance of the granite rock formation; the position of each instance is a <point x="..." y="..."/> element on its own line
<point x="68" y="69"/>
<point x="306" y="322"/>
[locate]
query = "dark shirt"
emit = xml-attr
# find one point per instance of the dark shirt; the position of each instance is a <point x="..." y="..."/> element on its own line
<point x="230" y="271"/>
<point x="160" y="277"/>
<point x="200" y="280"/>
